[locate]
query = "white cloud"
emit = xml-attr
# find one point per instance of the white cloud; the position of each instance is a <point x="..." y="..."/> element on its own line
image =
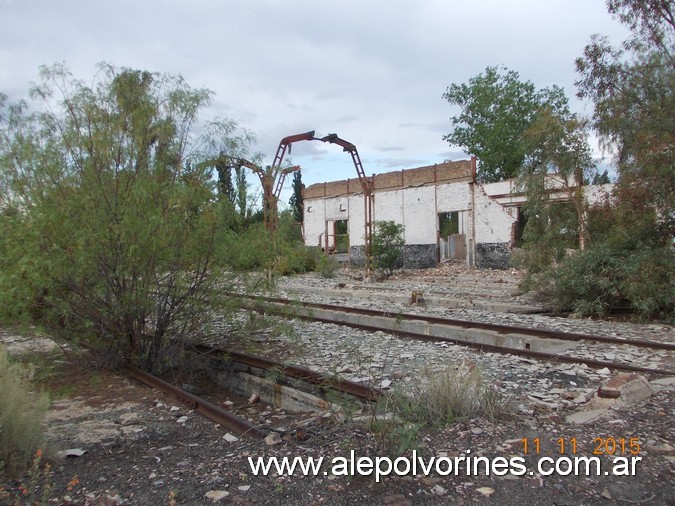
<point x="371" y="71"/>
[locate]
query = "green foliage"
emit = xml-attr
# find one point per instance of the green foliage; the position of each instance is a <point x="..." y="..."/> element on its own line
<point x="496" y="109"/>
<point x="252" y="249"/>
<point x="388" y="243"/>
<point x="630" y="260"/>
<point x="327" y="266"/>
<point x="438" y="400"/>
<point x="296" y="200"/>
<point x="633" y="91"/>
<point x="298" y="258"/>
<point x="249" y="249"/>
<point x="111" y="228"/>
<point x="608" y="276"/>
<point x="22" y="414"/>
<point x="552" y="176"/>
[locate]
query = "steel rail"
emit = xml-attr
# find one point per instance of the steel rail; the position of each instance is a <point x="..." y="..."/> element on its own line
<point x="597" y="364"/>
<point x="202" y="406"/>
<point x="359" y="390"/>
<point x="467" y="324"/>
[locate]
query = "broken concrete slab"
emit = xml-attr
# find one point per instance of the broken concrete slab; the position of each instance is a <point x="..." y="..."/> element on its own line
<point x="582" y="417"/>
<point x="664" y="381"/>
<point x="629" y="388"/>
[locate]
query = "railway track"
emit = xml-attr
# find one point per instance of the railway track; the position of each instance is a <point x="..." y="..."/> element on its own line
<point x="403" y="324"/>
<point x="208" y="409"/>
<point x="379" y="321"/>
<point x="233" y="422"/>
<point x="324" y="381"/>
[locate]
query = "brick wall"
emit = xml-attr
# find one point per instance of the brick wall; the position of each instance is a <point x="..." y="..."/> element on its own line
<point x="421" y="176"/>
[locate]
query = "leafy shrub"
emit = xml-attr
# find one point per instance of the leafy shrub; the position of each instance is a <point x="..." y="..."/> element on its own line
<point x="297" y="258"/>
<point x="388" y="243"/>
<point x="327" y="266"/>
<point x="607" y="276"/>
<point x="21" y="415"/>
<point x="249" y="250"/>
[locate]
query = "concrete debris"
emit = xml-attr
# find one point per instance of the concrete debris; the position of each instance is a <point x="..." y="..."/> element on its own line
<point x="664" y="381"/>
<point x="73" y="452"/>
<point x="216" y="495"/>
<point x="628" y="387"/>
<point x="582" y="417"/>
<point x="395" y="500"/>
<point x="272" y="439"/>
<point x="486" y="491"/>
<point x="230" y="438"/>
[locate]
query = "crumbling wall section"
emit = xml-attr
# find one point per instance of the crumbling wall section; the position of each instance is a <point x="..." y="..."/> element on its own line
<point x="493" y="229"/>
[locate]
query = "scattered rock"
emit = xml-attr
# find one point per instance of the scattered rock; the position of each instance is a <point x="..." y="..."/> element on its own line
<point x="272" y="439"/>
<point x="230" y="438"/>
<point x="216" y="495"/>
<point x="253" y="399"/>
<point x="664" y="381"/>
<point x="582" y="417"/>
<point x="486" y="491"/>
<point x="395" y="500"/>
<point x="73" y="452"/>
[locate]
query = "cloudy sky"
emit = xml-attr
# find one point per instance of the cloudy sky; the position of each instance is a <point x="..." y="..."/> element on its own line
<point x="372" y="71"/>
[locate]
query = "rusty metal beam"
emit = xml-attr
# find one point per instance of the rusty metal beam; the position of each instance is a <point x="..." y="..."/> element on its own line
<point x="204" y="407"/>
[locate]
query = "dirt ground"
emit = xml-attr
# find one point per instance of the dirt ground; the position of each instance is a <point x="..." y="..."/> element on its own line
<point x="114" y="441"/>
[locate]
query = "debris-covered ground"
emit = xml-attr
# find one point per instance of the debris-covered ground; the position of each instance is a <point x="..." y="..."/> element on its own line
<point x="132" y="445"/>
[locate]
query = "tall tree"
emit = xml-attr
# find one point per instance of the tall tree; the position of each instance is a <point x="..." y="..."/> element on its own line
<point x="296" y="200"/>
<point x="633" y="91"/>
<point x="553" y="177"/>
<point x="631" y="259"/>
<point x="496" y="109"/>
<point x="241" y="190"/>
<point x="226" y="188"/>
<point x="110" y="232"/>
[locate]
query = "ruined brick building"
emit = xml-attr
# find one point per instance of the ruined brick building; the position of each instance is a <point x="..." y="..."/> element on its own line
<point x="446" y="214"/>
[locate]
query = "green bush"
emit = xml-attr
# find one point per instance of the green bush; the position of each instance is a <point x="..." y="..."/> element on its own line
<point x="296" y="259"/>
<point x="249" y="250"/>
<point x="21" y="416"/>
<point x="607" y="276"/>
<point x="327" y="266"/>
<point x="388" y="243"/>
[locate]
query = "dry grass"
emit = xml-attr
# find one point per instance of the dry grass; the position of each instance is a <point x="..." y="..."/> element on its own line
<point x="455" y="392"/>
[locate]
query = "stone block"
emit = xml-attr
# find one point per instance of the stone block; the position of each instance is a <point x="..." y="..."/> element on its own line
<point x="627" y="387"/>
